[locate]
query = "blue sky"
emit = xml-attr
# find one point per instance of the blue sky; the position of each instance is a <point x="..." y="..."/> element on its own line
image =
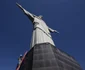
<point x="66" y="16"/>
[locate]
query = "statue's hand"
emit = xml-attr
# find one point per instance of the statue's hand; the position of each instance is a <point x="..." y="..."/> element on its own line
<point x="52" y="30"/>
<point x="56" y="31"/>
<point x="20" y="6"/>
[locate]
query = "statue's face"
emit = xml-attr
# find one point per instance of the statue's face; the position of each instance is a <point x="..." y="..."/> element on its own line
<point x="40" y="16"/>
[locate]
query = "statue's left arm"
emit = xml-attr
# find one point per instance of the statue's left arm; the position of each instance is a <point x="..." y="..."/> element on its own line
<point x="52" y="30"/>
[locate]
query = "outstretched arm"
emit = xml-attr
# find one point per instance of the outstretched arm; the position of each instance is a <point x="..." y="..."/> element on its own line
<point x="25" y="11"/>
<point x="50" y="29"/>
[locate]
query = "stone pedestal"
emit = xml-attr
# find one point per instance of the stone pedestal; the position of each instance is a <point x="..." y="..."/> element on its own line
<point x="47" y="57"/>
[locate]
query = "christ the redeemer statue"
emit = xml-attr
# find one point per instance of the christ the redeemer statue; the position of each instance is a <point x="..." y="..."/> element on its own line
<point x="41" y="32"/>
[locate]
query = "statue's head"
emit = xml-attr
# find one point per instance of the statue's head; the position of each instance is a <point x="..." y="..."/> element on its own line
<point x="40" y="16"/>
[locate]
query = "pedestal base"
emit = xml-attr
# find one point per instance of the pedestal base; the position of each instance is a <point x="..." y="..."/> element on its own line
<point x="47" y="57"/>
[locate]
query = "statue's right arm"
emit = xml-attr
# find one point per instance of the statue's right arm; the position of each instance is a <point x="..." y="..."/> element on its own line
<point x="25" y="11"/>
<point x="52" y="30"/>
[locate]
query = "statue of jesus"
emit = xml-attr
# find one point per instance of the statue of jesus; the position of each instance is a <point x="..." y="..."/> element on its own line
<point x="41" y="32"/>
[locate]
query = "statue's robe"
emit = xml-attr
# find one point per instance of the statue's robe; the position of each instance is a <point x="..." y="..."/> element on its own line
<point x="41" y="33"/>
